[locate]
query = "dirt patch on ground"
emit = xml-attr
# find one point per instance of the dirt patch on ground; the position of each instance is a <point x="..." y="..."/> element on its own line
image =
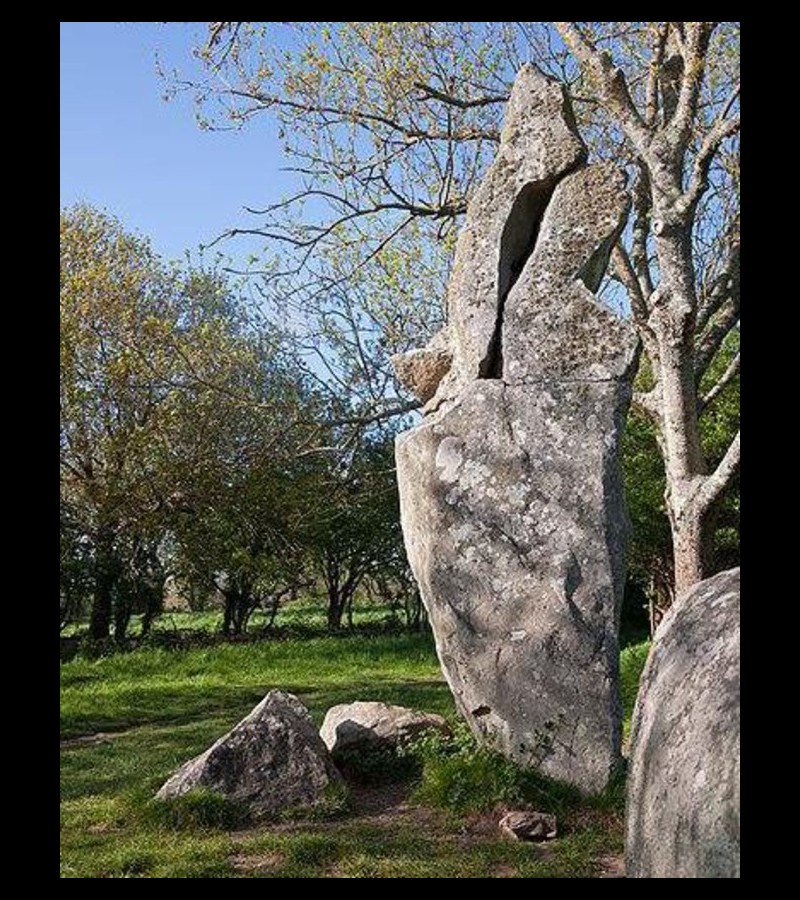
<point x="84" y="740"/>
<point x="258" y="862"/>
<point x="378" y="805"/>
<point x="387" y="804"/>
<point x="389" y="807"/>
<point x="611" y="867"/>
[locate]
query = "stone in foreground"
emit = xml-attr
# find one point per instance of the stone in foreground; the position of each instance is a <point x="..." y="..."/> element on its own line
<point x="510" y="489"/>
<point x="272" y="760"/>
<point x="527" y="825"/>
<point x="682" y="815"/>
<point x="370" y="725"/>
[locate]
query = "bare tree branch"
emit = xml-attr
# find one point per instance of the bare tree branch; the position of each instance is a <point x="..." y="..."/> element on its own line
<point x="623" y="269"/>
<point x="380" y="415"/>
<point x="725" y="379"/>
<point x="730" y="101"/>
<point x="611" y="81"/>
<point x="695" y="48"/>
<point x="698" y="183"/>
<point x="649" y="403"/>
<point x="451" y="100"/>
<point x="215" y="30"/>
<point x="713" y="486"/>
<point x="651" y="91"/>
<point x="724" y="286"/>
<point x="642" y="202"/>
<point x="712" y="340"/>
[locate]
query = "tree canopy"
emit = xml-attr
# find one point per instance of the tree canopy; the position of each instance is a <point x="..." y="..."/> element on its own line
<point x="192" y="445"/>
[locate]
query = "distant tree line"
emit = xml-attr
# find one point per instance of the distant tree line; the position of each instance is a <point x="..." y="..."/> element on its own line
<point x="193" y="446"/>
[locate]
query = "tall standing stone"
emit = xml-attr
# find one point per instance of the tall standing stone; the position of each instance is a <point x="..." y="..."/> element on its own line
<point x="510" y="490"/>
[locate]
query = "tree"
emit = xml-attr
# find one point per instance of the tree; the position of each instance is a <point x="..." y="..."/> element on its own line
<point x="75" y="568"/>
<point x="650" y="551"/>
<point x="390" y="126"/>
<point x="682" y="320"/>
<point x="138" y="342"/>
<point x="245" y="503"/>
<point x="357" y="534"/>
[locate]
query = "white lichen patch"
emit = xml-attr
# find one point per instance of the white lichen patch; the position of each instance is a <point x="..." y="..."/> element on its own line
<point x="449" y="459"/>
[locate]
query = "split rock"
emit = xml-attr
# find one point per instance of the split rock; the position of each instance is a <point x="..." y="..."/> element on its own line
<point x="510" y="489"/>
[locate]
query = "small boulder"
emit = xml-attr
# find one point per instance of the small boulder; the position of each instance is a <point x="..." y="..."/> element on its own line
<point x="528" y="825"/>
<point x="682" y="815"/>
<point x="272" y="760"/>
<point x="370" y="725"/>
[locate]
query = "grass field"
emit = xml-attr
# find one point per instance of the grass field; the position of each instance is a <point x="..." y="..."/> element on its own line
<point x="128" y="720"/>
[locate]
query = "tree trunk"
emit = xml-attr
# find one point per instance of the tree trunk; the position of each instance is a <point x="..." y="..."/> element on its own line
<point x="332" y="576"/>
<point x="105" y="577"/>
<point x="693" y="542"/>
<point x="122" y="617"/>
<point x="273" y="611"/>
<point x="147" y="619"/>
<point x="335" y="608"/>
<point x="679" y="437"/>
<point x="100" y="619"/>
<point x="688" y="552"/>
<point x="227" y="613"/>
<point x="348" y="590"/>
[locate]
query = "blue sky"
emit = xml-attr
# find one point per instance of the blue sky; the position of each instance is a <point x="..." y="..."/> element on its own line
<point x="126" y="150"/>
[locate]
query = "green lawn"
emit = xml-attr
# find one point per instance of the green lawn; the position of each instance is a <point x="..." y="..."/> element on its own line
<point x="156" y="708"/>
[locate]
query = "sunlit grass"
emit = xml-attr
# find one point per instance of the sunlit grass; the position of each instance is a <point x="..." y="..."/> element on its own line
<point x="157" y="708"/>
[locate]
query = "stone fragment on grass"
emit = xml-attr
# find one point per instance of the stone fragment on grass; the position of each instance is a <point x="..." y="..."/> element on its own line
<point x="273" y="760"/>
<point x="371" y="725"/>
<point x="528" y="825"/>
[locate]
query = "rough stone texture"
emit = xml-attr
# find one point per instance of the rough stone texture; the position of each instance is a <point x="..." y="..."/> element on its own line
<point x="510" y="491"/>
<point x="682" y="817"/>
<point x="527" y="825"/>
<point x="539" y="144"/>
<point x="273" y="759"/>
<point x="553" y="327"/>
<point x="422" y="370"/>
<point x="369" y="725"/>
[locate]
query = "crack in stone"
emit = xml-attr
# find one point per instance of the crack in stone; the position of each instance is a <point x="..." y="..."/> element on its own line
<point x="517" y="244"/>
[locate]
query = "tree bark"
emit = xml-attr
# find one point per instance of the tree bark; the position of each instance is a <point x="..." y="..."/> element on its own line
<point x="335" y="609"/>
<point x="123" y="609"/>
<point x="688" y="552"/>
<point x="100" y="619"/>
<point x="105" y="577"/>
<point x="672" y="324"/>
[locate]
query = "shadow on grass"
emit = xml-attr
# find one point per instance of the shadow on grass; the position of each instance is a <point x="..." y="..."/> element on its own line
<point x="156" y="740"/>
<point x="163" y="704"/>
